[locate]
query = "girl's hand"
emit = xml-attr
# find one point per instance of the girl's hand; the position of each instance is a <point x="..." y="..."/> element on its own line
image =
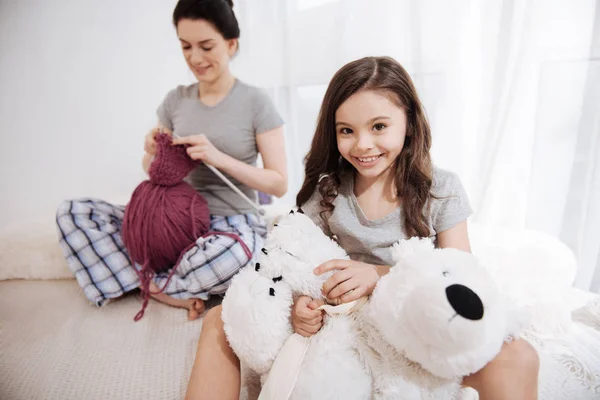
<point x="353" y="280"/>
<point x="306" y="319"/>
<point x="200" y="148"/>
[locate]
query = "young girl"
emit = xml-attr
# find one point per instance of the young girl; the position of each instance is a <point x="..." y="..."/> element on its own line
<point x="369" y="183"/>
<point x="225" y="123"/>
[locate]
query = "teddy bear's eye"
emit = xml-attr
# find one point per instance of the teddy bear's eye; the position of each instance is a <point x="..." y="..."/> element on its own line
<point x="257" y="267"/>
<point x="264" y="251"/>
<point x="445" y="273"/>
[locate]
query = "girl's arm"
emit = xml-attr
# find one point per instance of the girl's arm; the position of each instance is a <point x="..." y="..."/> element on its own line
<point x="272" y="179"/>
<point x="356" y="279"/>
<point x="456" y="237"/>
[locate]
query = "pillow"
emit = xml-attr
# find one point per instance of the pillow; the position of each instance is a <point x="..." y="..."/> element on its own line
<point x="535" y="254"/>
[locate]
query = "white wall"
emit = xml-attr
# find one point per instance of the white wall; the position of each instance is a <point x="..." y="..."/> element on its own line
<point x="80" y="81"/>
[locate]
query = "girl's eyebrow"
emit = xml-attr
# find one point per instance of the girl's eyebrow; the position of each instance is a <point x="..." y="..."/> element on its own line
<point x="368" y="122"/>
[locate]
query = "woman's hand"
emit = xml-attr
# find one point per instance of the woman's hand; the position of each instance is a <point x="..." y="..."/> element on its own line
<point x="353" y="280"/>
<point x="201" y="149"/>
<point x="150" y="139"/>
<point x="149" y="142"/>
<point x="306" y="319"/>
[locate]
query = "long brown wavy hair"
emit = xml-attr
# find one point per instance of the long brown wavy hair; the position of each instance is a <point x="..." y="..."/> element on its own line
<point x="324" y="165"/>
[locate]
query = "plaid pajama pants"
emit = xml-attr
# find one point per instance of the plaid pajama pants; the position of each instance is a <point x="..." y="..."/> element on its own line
<point x="89" y="233"/>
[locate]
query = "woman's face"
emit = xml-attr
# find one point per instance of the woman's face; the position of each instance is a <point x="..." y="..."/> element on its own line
<point x="206" y="51"/>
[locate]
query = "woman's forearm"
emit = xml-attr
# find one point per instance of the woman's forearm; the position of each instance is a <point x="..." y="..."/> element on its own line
<point x="264" y="180"/>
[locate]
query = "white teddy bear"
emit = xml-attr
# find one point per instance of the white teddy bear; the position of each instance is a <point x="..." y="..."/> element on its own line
<point x="435" y="318"/>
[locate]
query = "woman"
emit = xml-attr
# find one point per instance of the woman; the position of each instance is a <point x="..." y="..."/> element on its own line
<point x="224" y="123"/>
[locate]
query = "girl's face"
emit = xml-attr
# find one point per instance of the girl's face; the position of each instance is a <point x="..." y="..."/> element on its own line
<point x="370" y="131"/>
<point x="205" y="50"/>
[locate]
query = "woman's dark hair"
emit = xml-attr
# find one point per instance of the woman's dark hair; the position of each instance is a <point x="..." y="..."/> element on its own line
<point x="217" y="12"/>
<point x="324" y="165"/>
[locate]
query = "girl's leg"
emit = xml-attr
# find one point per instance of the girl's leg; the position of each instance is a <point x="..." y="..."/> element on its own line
<point x="512" y="375"/>
<point x="216" y="370"/>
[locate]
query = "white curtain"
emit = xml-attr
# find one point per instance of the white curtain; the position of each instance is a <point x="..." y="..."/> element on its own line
<point x="512" y="90"/>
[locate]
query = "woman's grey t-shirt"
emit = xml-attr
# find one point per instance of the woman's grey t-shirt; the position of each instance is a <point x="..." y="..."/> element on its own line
<point x="231" y="126"/>
<point x="370" y="241"/>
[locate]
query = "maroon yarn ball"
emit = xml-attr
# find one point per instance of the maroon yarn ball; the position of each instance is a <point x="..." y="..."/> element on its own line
<point x="165" y="215"/>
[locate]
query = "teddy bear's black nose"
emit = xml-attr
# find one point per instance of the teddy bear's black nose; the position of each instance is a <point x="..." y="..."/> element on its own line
<point x="465" y="302"/>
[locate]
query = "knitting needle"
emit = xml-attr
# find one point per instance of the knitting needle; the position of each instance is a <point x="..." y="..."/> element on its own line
<point x="260" y="210"/>
<point x="235" y="188"/>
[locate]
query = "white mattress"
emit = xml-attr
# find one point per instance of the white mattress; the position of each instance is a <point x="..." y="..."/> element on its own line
<point x="54" y="345"/>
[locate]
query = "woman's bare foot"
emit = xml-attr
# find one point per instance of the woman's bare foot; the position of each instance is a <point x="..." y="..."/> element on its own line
<point x="195" y="307"/>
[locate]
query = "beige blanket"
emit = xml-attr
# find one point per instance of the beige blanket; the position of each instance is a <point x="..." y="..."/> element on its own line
<point x="54" y="345"/>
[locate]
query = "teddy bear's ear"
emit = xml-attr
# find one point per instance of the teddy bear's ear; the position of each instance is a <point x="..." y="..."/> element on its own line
<point x="405" y="248"/>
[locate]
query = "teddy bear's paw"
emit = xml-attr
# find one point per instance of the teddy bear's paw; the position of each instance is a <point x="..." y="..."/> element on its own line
<point x="256" y="312"/>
